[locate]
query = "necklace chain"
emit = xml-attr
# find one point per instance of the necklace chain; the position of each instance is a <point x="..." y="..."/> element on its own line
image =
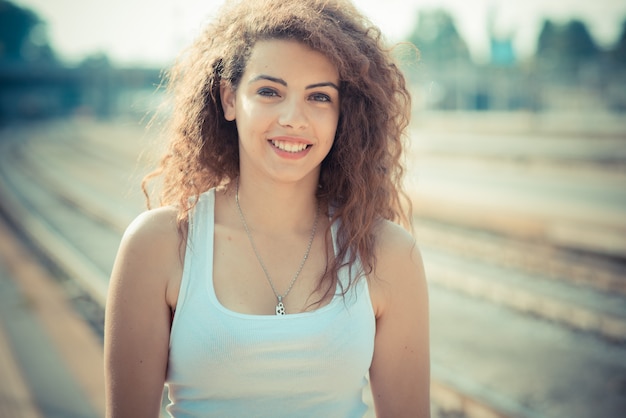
<point x="280" y="309"/>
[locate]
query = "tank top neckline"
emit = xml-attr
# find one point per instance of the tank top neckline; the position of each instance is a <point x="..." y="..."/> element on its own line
<point x="210" y="220"/>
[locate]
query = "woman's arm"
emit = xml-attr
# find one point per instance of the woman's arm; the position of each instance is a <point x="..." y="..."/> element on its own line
<point x="400" y="370"/>
<point x="138" y="315"/>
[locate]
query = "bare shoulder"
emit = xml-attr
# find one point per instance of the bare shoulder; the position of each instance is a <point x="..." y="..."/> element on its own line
<point x="400" y="371"/>
<point x="142" y="296"/>
<point x="399" y="267"/>
<point x="154" y="232"/>
<point x="392" y="238"/>
<point x="151" y="251"/>
<point x="154" y="223"/>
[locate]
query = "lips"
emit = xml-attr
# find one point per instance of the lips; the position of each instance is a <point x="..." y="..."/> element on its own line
<point x="290" y="145"/>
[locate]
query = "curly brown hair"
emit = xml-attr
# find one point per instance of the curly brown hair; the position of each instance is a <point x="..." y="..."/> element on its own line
<point x="362" y="175"/>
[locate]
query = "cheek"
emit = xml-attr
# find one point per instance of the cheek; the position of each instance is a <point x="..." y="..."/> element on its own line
<point x="257" y="117"/>
<point x="332" y="126"/>
<point x="326" y="122"/>
<point x="249" y="119"/>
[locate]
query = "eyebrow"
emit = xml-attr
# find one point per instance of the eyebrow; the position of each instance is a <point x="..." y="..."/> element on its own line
<point x="284" y="83"/>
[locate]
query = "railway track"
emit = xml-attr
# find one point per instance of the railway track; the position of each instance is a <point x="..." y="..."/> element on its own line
<point x="480" y="282"/>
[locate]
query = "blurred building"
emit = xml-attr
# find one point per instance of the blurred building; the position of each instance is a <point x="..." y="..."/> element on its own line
<point x="568" y="73"/>
<point x="33" y="92"/>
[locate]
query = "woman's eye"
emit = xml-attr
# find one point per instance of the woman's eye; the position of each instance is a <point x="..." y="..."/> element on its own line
<point x="321" y="97"/>
<point x="267" y="92"/>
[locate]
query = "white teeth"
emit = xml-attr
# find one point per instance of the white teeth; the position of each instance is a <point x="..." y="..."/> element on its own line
<point x="289" y="146"/>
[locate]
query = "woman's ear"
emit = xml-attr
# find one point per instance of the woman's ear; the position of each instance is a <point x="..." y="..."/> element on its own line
<point x="227" y="95"/>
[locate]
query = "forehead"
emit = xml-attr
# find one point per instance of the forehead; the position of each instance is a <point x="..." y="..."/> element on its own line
<point x="289" y="59"/>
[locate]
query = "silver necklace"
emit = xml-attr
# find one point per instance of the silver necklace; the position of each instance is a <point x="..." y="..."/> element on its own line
<point x="280" y="307"/>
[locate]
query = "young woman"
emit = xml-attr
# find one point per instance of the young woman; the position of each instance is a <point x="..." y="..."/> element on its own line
<point x="273" y="279"/>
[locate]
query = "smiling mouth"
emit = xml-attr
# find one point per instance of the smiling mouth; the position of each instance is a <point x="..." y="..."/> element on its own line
<point x="288" y="146"/>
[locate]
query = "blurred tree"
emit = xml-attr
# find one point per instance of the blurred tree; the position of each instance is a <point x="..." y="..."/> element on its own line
<point x="437" y="38"/>
<point x="565" y="49"/>
<point x="548" y="40"/>
<point x="22" y="35"/>
<point x="580" y="46"/>
<point x="445" y="64"/>
<point x="618" y="51"/>
<point x="95" y="61"/>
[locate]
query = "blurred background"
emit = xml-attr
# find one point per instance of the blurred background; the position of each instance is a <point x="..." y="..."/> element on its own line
<point x="516" y="167"/>
<point x="487" y="55"/>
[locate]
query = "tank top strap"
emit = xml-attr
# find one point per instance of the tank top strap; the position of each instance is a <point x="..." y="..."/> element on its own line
<point x="199" y="250"/>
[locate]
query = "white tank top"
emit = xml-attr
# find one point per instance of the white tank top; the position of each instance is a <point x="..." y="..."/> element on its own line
<point x="227" y="364"/>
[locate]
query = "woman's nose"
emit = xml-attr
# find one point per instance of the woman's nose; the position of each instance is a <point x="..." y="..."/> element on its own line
<point x="293" y="114"/>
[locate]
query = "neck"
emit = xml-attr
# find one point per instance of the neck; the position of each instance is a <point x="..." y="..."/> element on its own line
<point x="278" y="207"/>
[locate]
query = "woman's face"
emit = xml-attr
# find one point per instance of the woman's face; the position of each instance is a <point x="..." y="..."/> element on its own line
<point x="286" y="108"/>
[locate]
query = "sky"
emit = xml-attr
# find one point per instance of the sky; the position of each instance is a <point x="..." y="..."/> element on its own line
<point x="152" y="32"/>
